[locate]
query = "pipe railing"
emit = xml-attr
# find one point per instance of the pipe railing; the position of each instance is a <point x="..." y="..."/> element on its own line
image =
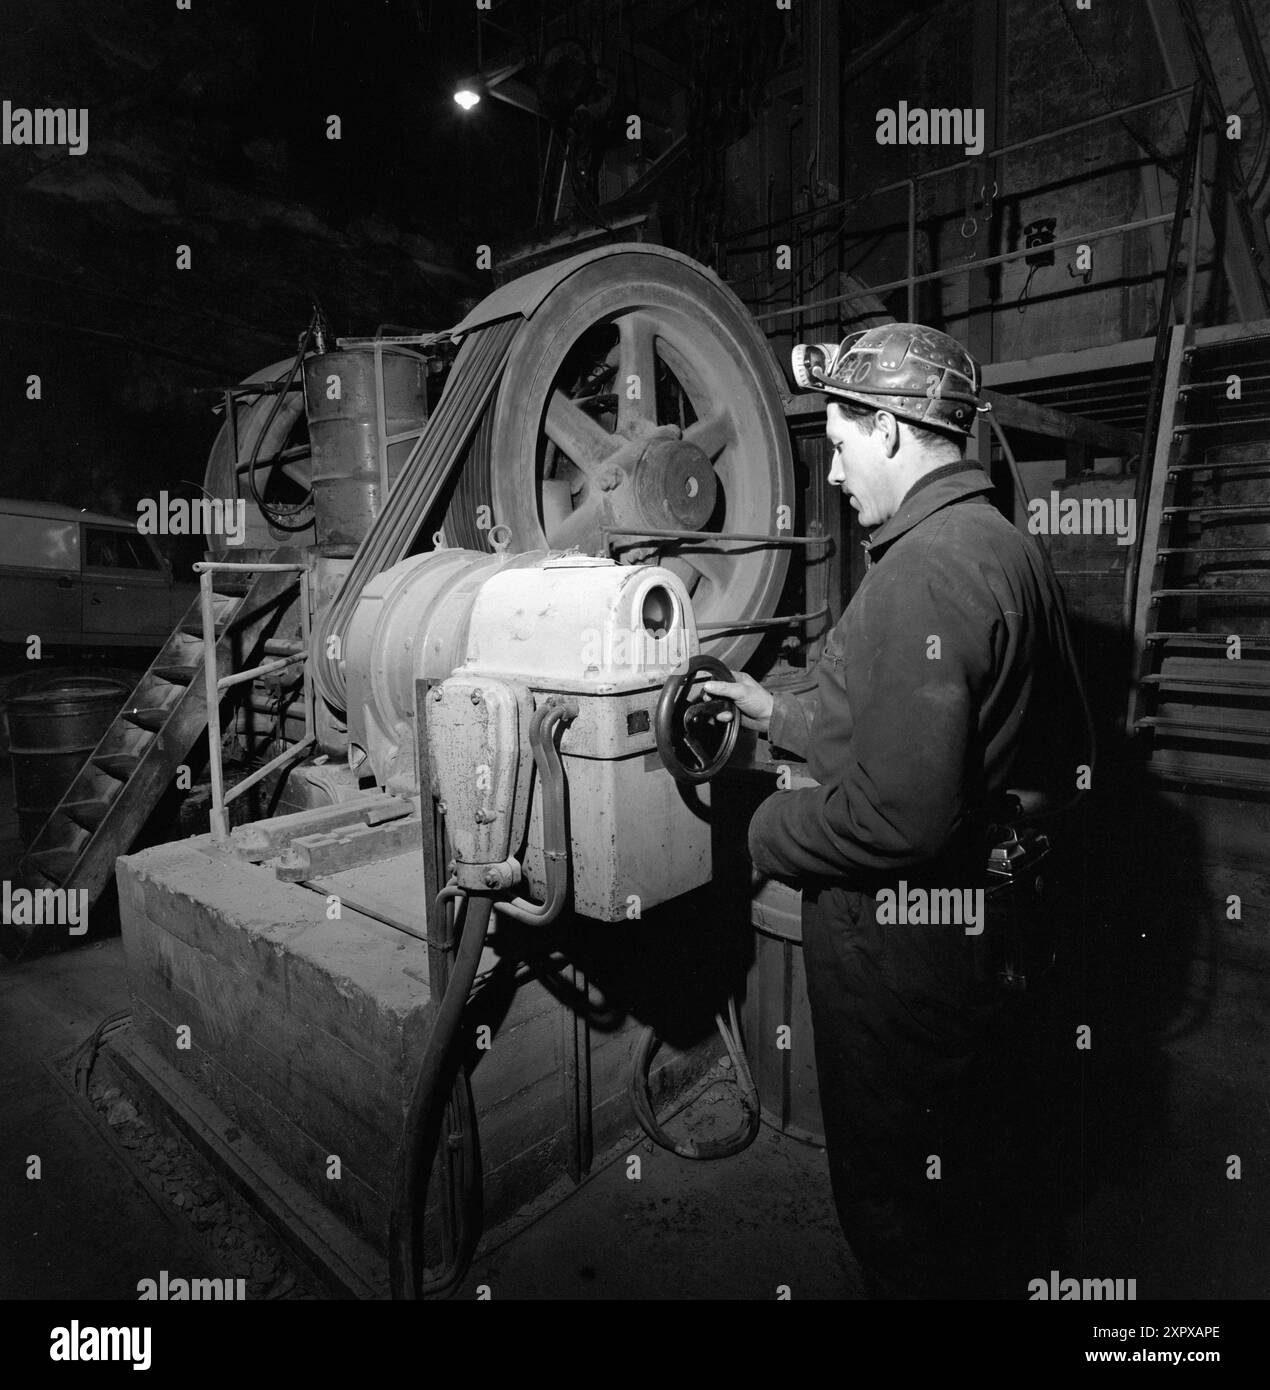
<point x="911" y="279"/>
<point x="216" y="684"/>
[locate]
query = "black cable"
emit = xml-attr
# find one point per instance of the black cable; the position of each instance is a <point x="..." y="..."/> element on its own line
<point x="86" y="1053"/>
<point x="270" y="516"/>
<point x="642" y="1104"/>
<point x="438" y="1079"/>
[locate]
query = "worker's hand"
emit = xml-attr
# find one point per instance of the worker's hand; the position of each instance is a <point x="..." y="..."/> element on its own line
<point x="753" y="702"/>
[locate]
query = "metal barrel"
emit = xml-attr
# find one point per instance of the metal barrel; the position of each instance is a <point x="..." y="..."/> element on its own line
<point x="348" y="426"/>
<point x="776" y="998"/>
<point x="52" y="731"/>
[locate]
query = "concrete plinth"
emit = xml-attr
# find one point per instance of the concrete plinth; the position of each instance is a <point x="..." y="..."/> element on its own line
<point x="306" y="1031"/>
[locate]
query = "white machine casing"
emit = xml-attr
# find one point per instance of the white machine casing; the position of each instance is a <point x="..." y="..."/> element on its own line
<point x="572" y="626"/>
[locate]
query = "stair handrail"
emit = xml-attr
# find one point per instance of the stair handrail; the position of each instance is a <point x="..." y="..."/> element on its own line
<point x="1189" y="174"/>
<point x="215" y="683"/>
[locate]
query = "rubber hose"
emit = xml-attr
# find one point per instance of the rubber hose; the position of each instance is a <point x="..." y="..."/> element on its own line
<point x="252" y="482"/>
<point x="555" y="840"/>
<point x="423" y="1120"/>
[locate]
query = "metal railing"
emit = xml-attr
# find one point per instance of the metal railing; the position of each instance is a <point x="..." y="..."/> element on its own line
<point x="1188" y="200"/>
<point x="911" y="279"/>
<point x="217" y="684"/>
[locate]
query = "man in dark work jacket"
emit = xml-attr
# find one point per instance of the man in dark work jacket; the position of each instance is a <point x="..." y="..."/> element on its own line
<point x="941" y="687"/>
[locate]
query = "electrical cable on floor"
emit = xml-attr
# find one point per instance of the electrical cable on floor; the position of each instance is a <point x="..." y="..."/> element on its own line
<point x="641" y="1096"/>
<point x="86" y="1053"/>
<point x="441" y="1081"/>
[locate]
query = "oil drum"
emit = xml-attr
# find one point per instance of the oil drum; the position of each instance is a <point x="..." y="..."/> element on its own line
<point x="346" y="403"/>
<point x="52" y="731"/>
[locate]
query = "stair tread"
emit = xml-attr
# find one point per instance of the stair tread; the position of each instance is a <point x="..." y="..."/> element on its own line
<point x="177" y="675"/>
<point x="1210" y="593"/>
<point x="53" y="864"/>
<point x="117" y="765"/>
<point x="1207" y="775"/>
<point x="1234" y="732"/>
<point x="1213" y="687"/>
<point x="1227" y="508"/>
<point x="149" y="717"/>
<point x="87" y="814"/>
<point x="1209" y="639"/>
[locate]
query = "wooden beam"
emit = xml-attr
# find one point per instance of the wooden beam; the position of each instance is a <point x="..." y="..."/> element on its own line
<point x="1058" y="424"/>
<point x="516" y="93"/>
<point x="1051" y="366"/>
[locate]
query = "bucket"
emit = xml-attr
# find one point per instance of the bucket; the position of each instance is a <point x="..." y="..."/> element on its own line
<point x="776" y="998"/>
<point x="51" y="733"/>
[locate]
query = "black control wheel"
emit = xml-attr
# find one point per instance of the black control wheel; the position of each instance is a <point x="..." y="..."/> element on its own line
<point x="692" y="745"/>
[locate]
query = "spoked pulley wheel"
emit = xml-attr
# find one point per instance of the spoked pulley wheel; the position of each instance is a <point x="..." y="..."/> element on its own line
<point x="639" y="395"/>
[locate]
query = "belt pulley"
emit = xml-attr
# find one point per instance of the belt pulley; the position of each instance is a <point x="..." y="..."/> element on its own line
<point x="622" y="403"/>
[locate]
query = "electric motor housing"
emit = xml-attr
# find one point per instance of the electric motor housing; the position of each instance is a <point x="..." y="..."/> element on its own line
<point x="605" y="635"/>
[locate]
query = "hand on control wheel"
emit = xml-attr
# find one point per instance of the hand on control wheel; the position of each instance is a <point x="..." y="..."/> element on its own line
<point x="754" y="703"/>
<point x="684" y="714"/>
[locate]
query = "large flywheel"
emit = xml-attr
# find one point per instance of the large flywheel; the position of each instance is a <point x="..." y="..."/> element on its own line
<point x="638" y="396"/>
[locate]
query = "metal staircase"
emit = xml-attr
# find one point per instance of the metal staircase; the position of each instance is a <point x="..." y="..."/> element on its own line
<point x="1201" y="694"/>
<point x="136" y="760"/>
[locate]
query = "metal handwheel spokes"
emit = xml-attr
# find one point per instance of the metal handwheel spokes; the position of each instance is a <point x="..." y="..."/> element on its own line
<point x="686" y="728"/>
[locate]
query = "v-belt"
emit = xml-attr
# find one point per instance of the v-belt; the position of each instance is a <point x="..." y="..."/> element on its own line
<point x="438" y="451"/>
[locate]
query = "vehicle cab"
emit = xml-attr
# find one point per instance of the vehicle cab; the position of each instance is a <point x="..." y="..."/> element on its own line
<point x="84" y="580"/>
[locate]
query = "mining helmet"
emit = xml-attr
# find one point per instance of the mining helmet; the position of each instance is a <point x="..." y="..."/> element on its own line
<point x="917" y="373"/>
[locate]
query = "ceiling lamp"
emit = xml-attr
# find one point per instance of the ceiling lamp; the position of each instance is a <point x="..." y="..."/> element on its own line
<point x="467" y="94"/>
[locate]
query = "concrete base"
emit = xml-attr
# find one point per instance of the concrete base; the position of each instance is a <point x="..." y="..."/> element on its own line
<point x="306" y="1032"/>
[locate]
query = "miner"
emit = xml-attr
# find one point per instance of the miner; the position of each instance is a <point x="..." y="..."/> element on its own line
<point x="939" y="690"/>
